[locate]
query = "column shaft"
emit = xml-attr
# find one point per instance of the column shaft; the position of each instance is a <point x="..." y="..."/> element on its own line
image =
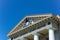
<point x="51" y="34"/>
<point x="36" y="37"/>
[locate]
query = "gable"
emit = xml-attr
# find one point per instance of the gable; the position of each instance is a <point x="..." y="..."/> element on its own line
<point x="23" y="22"/>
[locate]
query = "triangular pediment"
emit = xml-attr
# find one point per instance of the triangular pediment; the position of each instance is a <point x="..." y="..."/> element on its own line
<point x="32" y="19"/>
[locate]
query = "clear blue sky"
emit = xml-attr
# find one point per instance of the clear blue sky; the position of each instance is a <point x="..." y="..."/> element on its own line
<point x="12" y="11"/>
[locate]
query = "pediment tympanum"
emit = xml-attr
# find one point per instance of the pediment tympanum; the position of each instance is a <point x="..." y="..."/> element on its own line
<point x="28" y="20"/>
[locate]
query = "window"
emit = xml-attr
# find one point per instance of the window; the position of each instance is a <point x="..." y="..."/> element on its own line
<point x="49" y="23"/>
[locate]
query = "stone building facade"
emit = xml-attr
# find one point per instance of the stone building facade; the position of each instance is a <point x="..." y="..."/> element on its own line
<point x="36" y="27"/>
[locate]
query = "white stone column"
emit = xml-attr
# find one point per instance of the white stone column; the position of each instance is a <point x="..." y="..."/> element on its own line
<point x="36" y="36"/>
<point x="51" y="34"/>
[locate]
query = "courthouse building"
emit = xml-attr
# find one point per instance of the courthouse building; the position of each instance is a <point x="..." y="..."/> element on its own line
<point x="36" y="27"/>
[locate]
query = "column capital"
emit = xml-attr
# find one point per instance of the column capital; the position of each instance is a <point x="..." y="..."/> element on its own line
<point x="35" y="33"/>
<point x="51" y="28"/>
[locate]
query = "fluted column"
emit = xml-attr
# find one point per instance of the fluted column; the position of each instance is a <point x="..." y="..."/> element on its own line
<point x="51" y="34"/>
